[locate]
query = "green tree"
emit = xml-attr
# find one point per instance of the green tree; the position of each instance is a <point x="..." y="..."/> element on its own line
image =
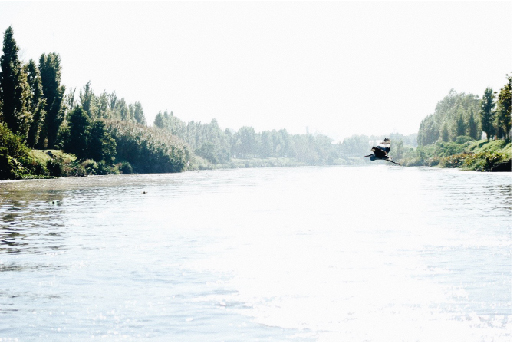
<point x="79" y="126"/>
<point x="121" y="110"/>
<point x="87" y="100"/>
<point x="112" y="101"/>
<point x="100" y="145"/>
<point x="209" y="151"/>
<point x="50" y="69"/>
<point x="102" y="106"/>
<point x="445" y="134"/>
<point x="14" y="88"/>
<point x="159" y="120"/>
<point x="487" y="113"/>
<point x="14" y="155"/>
<point x="138" y="113"/>
<point x="247" y="141"/>
<point x="267" y="146"/>
<point x="503" y="116"/>
<point x="148" y="150"/>
<point x="472" y="126"/>
<point x="429" y="132"/>
<point x="447" y="111"/>
<point x="69" y="99"/>
<point x="460" y="125"/>
<point x="285" y="142"/>
<point x="400" y="150"/>
<point x="37" y="103"/>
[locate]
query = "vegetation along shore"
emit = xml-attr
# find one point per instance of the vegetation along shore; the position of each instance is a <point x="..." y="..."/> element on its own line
<point x="48" y="130"/>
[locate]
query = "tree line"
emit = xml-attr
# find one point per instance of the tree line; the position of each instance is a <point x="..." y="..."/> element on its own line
<point x="37" y="113"/>
<point x="104" y="130"/>
<point x="220" y="146"/>
<point x="466" y="115"/>
<point x="41" y="113"/>
<point x="466" y="131"/>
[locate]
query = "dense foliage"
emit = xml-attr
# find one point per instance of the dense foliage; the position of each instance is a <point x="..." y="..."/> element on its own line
<point x="14" y="88"/>
<point x="503" y="117"/>
<point x="455" y="115"/>
<point x="451" y="136"/>
<point x="482" y="155"/>
<point x="460" y="114"/>
<point x="221" y="146"/>
<point x="148" y="150"/>
<point x="15" y="159"/>
<point x="103" y="133"/>
<point x="53" y="92"/>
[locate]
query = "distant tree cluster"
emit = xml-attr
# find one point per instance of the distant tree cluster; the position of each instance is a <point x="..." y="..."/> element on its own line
<point x="457" y="114"/>
<point x="107" y="106"/>
<point x="465" y="115"/>
<point x="220" y="146"/>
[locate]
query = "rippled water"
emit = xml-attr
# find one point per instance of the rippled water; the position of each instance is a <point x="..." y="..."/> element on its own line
<point x="319" y="253"/>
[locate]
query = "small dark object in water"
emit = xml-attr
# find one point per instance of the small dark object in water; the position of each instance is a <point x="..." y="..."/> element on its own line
<point x="144" y="192"/>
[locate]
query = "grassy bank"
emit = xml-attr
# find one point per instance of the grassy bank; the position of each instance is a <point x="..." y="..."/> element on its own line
<point x="56" y="163"/>
<point x="465" y="153"/>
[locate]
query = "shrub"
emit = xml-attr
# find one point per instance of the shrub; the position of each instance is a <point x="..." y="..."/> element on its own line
<point x="15" y="159"/>
<point x="484" y="161"/>
<point x="125" y="168"/>
<point x="148" y="150"/>
<point x="454" y="161"/>
<point x="90" y="167"/>
<point x="444" y="149"/>
<point x="463" y="139"/>
<point x="54" y="167"/>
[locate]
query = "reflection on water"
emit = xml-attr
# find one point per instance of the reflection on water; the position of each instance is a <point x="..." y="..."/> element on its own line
<point x="26" y="216"/>
<point x="258" y="254"/>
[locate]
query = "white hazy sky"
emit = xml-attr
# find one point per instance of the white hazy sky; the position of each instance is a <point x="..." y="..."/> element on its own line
<point x="339" y="68"/>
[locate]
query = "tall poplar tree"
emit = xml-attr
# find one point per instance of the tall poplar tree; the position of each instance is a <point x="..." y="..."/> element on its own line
<point x="138" y="113"/>
<point x="87" y="100"/>
<point x="14" y="89"/>
<point x="472" y="126"/>
<point x="159" y="120"/>
<point x="445" y="134"/>
<point x="121" y="110"/>
<point x="487" y="113"/>
<point x="460" y="125"/>
<point x="102" y="106"/>
<point x="79" y="128"/>
<point x="37" y="103"/>
<point x="50" y="69"/>
<point x="503" y="117"/>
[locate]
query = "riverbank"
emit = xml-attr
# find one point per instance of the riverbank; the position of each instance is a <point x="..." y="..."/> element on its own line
<point x="470" y="155"/>
<point x="479" y="155"/>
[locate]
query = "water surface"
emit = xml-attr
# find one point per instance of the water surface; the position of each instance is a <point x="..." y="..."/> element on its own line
<point x="272" y="254"/>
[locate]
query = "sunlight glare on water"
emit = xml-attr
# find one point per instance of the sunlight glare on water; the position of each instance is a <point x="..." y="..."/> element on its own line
<point x="316" y="253"/>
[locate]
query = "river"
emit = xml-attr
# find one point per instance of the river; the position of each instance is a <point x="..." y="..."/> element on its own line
<point x="372" y="253"/>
